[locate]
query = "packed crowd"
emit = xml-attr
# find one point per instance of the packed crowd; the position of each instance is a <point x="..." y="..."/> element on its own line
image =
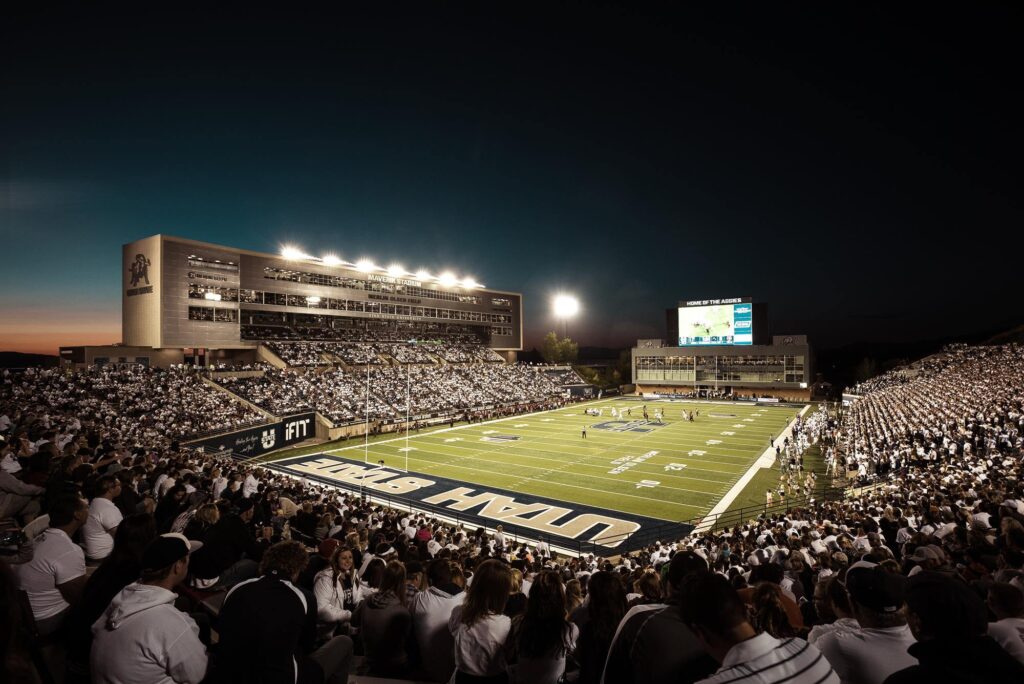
<point x="141" y="405"/>
<point x="434" y="390"/>
<point x="362" y="353"/>
<point x="336" y="394"/>
<point x="565" y="376"/>
<point x="919" y="578"/>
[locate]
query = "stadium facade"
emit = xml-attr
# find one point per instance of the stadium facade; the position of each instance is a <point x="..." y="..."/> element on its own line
<point x="780" y="365"/>
<point x="205" y="301"/>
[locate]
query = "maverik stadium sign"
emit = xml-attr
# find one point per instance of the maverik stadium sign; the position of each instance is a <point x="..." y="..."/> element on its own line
<point x="522" y="514"/>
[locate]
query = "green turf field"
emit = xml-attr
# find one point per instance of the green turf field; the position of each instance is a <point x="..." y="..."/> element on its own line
<point x="676" y="471"/>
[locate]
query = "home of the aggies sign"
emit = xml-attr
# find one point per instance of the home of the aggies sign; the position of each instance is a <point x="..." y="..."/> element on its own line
<point x="524" y="514"/>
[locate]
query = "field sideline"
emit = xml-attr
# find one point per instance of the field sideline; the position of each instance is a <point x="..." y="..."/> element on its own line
<point x="672" y="472"/>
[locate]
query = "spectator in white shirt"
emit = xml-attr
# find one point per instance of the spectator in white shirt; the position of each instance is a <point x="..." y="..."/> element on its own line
<point x="431" y="611"/>
<point x="55" y="576"/>
<point x="478" y="626"/>
<point x="717" y="615"/>
<point x="250" y="486"/>
<point x="104" y="517"/>
<point x="1007" y="603"/>
<point x="17" y="498"/>
<point x="878" y="646"/>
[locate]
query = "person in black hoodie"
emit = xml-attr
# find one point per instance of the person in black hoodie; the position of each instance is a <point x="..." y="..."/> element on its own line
<point x="950" y="622"/>
<point x="230" y="551"/>
<point x="267" y="629"/>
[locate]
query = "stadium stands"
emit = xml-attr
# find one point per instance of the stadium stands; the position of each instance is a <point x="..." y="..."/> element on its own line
<point x="920" y="572"/>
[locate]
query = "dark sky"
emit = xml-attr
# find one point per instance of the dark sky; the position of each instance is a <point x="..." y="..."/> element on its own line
<point x="857" y="168"/>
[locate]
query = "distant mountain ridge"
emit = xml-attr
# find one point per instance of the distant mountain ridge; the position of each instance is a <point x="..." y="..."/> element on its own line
<point x="9" y="359"/>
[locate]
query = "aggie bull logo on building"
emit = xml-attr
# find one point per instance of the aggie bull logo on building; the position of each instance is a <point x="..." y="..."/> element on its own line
<point x="138" y="271"/>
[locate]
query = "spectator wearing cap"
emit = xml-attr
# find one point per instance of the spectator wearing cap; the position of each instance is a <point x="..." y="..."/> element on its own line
<point x="1007" y="603"/>
<point x="142" y="637"/>
<point x="231" y="552"/>
<point x="654" y="643"/>
<point x="267" y="628"/>
<point x="869" y="653"/>
<point x="950" y="622"/>
<point x="718" y="617"/>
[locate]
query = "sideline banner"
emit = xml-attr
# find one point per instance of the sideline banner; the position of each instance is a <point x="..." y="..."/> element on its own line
<point x="262" y="439"/>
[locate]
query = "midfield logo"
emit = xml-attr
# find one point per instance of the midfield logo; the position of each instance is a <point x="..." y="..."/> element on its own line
<point x="627" y="425"/>
<point x="500" y="438"/>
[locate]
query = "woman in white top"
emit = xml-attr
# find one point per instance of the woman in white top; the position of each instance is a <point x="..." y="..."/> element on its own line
<point x="480" y="629"/>
<point x="338" y="591"/>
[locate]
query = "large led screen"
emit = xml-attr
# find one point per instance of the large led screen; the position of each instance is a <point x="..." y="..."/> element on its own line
<point x="716" y="325"/>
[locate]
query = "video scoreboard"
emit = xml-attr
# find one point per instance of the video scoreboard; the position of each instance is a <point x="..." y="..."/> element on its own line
<point x="710" y="322"/>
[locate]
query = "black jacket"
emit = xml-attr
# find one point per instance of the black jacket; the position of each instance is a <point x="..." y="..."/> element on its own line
<point x="267" y="629"/>
<point x="224" y="544"/>
<point x="655" y="645"/>
<point x="961" y="661"/>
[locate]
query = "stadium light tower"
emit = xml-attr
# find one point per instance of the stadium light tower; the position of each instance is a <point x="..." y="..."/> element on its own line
<point x="565" y="307"/>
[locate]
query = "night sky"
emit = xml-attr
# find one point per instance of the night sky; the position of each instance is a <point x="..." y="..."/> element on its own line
<point x="858" y="169"/>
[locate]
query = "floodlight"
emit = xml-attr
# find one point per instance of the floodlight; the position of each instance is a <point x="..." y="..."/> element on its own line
<point x="423" y="274"/>
<point x="447" y="279"/>
<point x="565" y="306"/>
<point x="365" y="265"/>
<point x="396" y="270"/>
<point x="292" y="253"/>
<point x="331" y="259"/>
<point x="469" y="283"/>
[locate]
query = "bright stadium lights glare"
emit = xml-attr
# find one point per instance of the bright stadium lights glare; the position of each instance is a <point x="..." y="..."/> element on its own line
<point x="292" y="253"/>
<point x="565" y="306"/>
<point x="423" y="274"/>
<point x="312" y="300"/>
<point x="447" y="279"/>
<point x="212" y="296"/>
<point x="470" y="283"/>
<point x="331" y="259"/>
<point x="396" y="270"/>
<point x="365" y="265"/>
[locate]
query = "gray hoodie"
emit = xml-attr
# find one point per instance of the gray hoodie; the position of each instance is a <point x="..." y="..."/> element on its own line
<point x="143" y="639"/>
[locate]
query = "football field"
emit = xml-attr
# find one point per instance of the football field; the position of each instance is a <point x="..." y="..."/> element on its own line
<point x="673" y="470"/>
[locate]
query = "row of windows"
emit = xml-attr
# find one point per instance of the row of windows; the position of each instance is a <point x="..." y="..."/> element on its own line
<point x="502" y="332"/>
<point x="215" y="264"/>
<point x="774" y="361"/>
<point x="230" y="294"/>
<point x="207" y="313"/>
<point x="689" y="376"/>
<point x="325" y="280"/>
